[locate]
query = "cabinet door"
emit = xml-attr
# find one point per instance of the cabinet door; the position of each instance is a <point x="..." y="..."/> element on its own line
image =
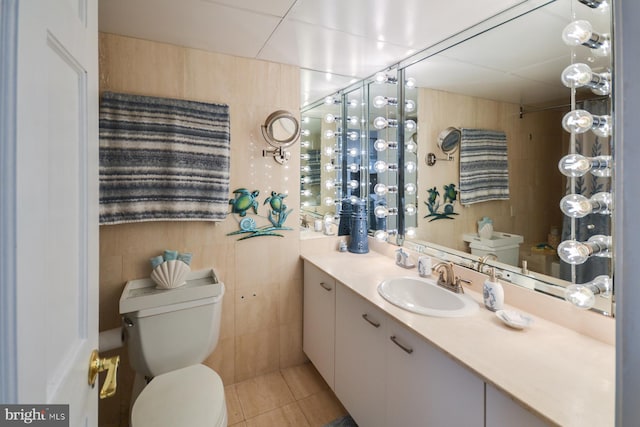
<point x="319" y="316"/>
<point x="360" y="358"/>
<point x="425" y="387"/>
<point x="502" y="411"/>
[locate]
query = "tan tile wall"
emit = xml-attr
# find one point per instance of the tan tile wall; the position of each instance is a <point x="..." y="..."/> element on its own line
<point x="261" y="327"/>
<point x="536" y="142"/>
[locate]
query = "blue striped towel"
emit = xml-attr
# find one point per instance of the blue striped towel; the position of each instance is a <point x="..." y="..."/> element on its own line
<point x="484" y="172"/>
<point x="163" y="159"/>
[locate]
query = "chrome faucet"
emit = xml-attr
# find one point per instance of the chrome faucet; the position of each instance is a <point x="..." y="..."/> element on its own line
<point x="446" y="277"/>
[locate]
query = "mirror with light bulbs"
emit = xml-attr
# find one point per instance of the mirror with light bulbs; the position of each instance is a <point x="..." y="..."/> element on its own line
<point x="547" y="96"/>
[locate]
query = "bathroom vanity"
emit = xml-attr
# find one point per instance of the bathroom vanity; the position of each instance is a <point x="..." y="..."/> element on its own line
<point x="392" y="367"/>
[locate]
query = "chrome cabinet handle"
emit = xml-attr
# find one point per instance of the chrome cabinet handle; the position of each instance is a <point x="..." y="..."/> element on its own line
<point x="393" y="338"/>
<point x="372" y="322"/>
<point x="325" y="286"/>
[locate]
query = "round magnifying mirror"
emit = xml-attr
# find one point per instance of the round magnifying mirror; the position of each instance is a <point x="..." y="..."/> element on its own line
<point x="281" y="129"/>
<point x="449" y="140"/>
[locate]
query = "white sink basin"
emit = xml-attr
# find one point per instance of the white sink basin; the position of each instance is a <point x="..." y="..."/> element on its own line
<point x="424" y="296"/>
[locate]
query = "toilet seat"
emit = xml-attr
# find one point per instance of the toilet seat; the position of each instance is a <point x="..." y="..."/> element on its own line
<point x="191" y="396"/>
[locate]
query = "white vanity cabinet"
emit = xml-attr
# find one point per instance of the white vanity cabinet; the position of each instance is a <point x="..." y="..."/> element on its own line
<point x="502" y="411"/>
<point x="386" y="375"/>
<point x="360" y="358"/>
<point x="319" y="319"/>
<point x="425" y="387"/>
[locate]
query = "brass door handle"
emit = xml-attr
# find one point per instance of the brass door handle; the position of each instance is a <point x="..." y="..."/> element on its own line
<point x="99" y="364"/>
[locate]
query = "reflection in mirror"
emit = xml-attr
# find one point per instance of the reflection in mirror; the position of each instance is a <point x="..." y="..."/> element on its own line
<point x="504" y="81"/>
<point x="383" y="155"/>
<point x="332" y="156"/>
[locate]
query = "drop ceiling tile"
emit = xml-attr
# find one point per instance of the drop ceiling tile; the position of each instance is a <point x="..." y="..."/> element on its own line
<point x="191" y="23"/>
<point x="318" y="48"/>
<point x="415" y="24"/>
<point x="271" y="7"/>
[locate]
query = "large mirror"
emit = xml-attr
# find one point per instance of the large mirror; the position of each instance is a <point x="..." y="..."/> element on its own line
<point x="499" y="82"/>
<point x="503" y="86"/>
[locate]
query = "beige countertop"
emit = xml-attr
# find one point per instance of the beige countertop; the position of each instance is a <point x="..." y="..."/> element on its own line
<point x="562" y="375"/>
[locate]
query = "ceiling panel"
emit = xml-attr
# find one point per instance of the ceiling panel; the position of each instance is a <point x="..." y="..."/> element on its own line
<point x="192" y="23"/>
<point x="318" y="48"/>
<point x="414" y="24"/>
<point x="272" y="7"/>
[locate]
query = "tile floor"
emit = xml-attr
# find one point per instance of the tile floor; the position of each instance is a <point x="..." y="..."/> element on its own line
<point x="296" y="397"/>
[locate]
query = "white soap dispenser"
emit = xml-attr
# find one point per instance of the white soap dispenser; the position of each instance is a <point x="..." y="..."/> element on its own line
<point x="493" y="293"/>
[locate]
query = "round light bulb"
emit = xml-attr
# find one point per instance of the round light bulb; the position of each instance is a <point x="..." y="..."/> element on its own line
<point x="329" y="134"/>
<point x="353" y="103"/>
<point x="381" y="212"/>
<point x="380" y="77"/>
<point x="354" y="168"/>
<point x="380" y="145"/>
<point x="305" y="168"/>
<point x="575" y="206"/>
<point x="410" y="167"/>
<point x="580" y="296"/>
<point x="305" y="179"/>
<point x="380" y="189"/>
<point x="353" y="152"/>
<point x="410" y="125"/>
<point x="305" y="144"/>
<point x="411" y="232"/>
<point x="329" y="118"/>
<point x="576" y="75"/>
<point x="410" y="105"/>
<point x="573" y="252"/>
<point x="306" y="193"/>
<point x="583" y="295"/>
<point x="578" y="206"/>
<point x="577" y="121"/>
<point x="380" y="166"/>
<point x="353" y="184"/>
<point x="329" y="201"/>
<point x="329" y="151"/>
<point x="353" y="136"/>
<point x="410" y="188"/>
<point x="381" y="235"/>
<point x="353" y="199"/>
<point x="305" y="156"/>
<point x="353" y="120"/>
<point x="574" y="165"/>
<point x="410" y="83"/>
<point x="330" y="184"/>
<point x="380" y="123"/>
<point x="380" y="101"/>
<point x="410" y="209"/>
<point x="329" y="100"/>
<point x="410" y="146"/>
<point x="305" y="132"/>
<point x="577" y="33"/>
<point x="329" y="167"/>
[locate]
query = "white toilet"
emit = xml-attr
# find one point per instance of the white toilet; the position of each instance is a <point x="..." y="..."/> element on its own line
<point x="169" y="334"/>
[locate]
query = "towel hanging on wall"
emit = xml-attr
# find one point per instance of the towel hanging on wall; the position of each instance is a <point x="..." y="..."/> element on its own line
<point x="163" y="159"/>
<point x="484" y="172"/>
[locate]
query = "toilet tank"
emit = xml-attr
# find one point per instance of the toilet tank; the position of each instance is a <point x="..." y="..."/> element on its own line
<point x="170" y="329"/>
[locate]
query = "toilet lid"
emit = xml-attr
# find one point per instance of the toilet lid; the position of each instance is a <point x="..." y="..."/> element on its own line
<point x="191" y="396"/>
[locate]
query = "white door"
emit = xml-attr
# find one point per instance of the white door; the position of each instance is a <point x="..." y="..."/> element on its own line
<point x="56" y="198"/>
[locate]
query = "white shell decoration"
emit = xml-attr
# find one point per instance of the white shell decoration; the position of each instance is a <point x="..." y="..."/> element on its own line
<point x="170" y="274"/>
